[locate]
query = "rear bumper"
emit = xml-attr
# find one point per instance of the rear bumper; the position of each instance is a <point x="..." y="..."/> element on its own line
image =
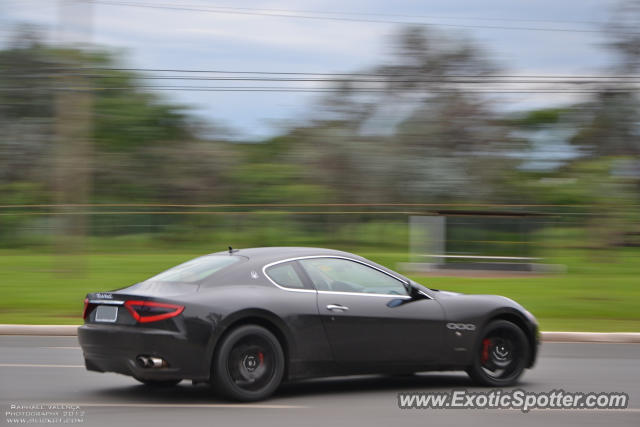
<point x="114" y="348"/>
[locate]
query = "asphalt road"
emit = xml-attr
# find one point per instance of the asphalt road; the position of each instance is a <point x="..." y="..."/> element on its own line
<point x="43" y="370"/>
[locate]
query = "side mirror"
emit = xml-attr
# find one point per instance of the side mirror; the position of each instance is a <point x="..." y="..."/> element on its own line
<point x="407" y="287"/>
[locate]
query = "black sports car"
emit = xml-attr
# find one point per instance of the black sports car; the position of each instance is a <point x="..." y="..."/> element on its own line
<point x="246" y="320"/>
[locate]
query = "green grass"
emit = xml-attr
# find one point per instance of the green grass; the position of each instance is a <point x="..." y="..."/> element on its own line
<point x="571" y="302"/>
<point x="49" y="289"/>
<point x="596" y="294"/>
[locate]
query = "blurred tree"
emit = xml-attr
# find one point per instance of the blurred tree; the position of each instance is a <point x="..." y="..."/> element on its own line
<point x="613" y="126"/>
<point x="612" y="123"/>
<point x="605" y="177"/>
<point x="418" y="137"/>
<point x="405" y="131"/>
<point x="139" y="139"/>
<point x="145" y="149"/>
<point x="624" y="37"/>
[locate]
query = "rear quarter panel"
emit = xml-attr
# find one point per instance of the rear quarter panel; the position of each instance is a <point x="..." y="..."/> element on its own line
<point x="213" y="311"/>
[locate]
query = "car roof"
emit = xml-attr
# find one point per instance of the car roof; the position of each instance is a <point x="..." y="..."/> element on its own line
<point x="276" y="253"/>
<point x="259" y="257"/>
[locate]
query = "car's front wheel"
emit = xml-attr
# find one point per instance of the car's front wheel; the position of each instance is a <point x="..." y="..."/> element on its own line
<point x="501" y="356"/>
<point x="249" y="364"/>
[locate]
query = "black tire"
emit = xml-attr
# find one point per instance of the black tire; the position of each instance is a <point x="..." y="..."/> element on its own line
<point x="248" y="364"/>
<point x="158" y="383"/>
<point x="500" y="356"/>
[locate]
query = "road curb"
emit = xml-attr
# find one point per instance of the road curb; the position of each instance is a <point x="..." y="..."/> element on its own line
<point x="608" y="337"/>
<point x="603" y="337"/>
<point x="45" y="330"/>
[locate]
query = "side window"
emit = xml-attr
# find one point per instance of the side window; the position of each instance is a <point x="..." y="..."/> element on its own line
<point x="341" y="275"/>
<point x="285" y="275"/>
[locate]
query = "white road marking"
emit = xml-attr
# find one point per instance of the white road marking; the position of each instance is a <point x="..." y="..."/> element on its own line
<point x="66" y="348"/>
<point x="37" y="365"/>
<point x="184" y="405"/>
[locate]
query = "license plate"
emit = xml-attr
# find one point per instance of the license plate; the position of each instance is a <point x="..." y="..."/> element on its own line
<point x="106" y="313"/>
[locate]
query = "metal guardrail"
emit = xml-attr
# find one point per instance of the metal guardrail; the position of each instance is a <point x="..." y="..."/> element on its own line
<point x="483" y="257"/>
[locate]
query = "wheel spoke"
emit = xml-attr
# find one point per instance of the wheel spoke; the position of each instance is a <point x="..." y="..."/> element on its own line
<point x="499" y="354"/>
<point x="250" y="363"/>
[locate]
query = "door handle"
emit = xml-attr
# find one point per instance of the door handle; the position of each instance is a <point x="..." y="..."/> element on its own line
<point x="333" y="307"/>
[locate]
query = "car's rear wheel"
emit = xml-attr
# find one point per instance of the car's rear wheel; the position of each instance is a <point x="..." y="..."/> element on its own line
<point x="501" y="355"/>
<point x="248" y="365"/>
<point x="159" y="383"/>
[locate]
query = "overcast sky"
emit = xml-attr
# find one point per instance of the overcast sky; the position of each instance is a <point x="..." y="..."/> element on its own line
<point x="243" y="41"/>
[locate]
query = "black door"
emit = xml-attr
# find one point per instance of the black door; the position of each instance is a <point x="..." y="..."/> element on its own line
<point x="368" y="316"/>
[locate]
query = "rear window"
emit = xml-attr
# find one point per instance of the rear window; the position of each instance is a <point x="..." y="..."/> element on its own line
<point x="195" y="270"/>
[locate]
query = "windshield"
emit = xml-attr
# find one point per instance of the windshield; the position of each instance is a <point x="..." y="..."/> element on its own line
<point x="195" y="270"/>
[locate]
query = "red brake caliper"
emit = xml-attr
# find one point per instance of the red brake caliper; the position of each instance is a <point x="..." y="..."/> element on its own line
<point x="485" y="350"/>
<point x="261" y="357"/>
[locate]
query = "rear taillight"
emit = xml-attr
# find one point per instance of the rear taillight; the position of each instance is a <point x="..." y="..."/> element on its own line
<point x="85" y="310"/>
<point x="149" y="311"/>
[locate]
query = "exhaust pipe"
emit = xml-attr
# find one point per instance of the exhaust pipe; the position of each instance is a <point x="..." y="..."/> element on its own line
<point x="143" y="361"/>
<point x="157" y="362"/>
<point x="151" y="362"/>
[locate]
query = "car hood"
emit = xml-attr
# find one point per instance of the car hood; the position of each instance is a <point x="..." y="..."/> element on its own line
<point x="445" y="294"/>
<point x="459" y="305"/>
